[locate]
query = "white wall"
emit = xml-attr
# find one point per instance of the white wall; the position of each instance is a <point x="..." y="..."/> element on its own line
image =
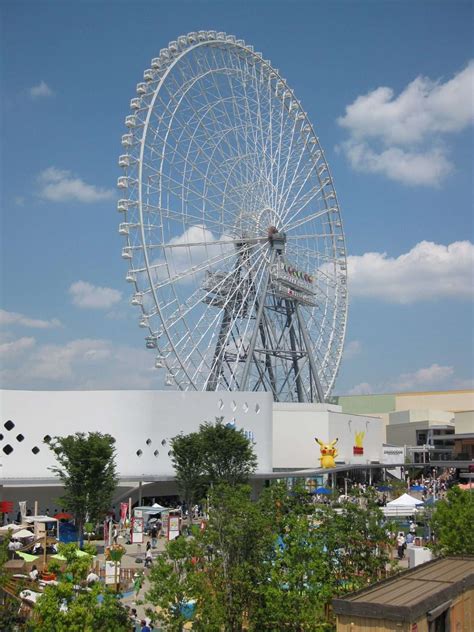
<point x="464" y="422"/>
<point x="295" y="427"/>
<point x="132" y="417"/>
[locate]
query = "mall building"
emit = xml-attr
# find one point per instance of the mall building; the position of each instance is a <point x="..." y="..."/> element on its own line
<point x="368" y="430"/>
<point x="434" y="426"/>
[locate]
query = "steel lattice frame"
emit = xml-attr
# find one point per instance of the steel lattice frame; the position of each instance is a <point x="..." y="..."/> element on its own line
<point x="220" y="154"/>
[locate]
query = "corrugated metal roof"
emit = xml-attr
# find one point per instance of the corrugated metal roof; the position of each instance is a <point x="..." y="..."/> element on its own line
<point x="406" y="596"/>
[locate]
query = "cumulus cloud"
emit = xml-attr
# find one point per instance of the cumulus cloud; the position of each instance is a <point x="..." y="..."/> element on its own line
<point x="187" y="255"/>
<point x="352" y="349"/>
<point x="393" y="135"/>
<point x="428" y="377"/>
<point x="80" y="364"/>
<point x="41" y="90"/>
<point x="16" y="346"/>
<point x="409" y="167"/>
<point x="58" y="185"/>
<point x="428" y="271"/>
<point x="364" y="388"/>
<point x="12" y="318"/>
<point x="90" y="296"/>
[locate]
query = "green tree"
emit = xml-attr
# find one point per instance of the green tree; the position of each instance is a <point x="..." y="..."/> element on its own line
<point x="86" y="467"/>
<point x="69" y="607"/>
<point x="217" y="453"/>
<point x="272" y="564"/>
<point x="218" y="568"/>
<point x="452" y="523"/>
<point x="187" y="462"/>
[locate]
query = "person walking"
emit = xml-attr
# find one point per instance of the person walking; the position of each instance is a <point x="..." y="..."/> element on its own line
<point x="137" y="585"/>
<point x="148" y="556"/>
<point x="154" y="536"/>
<point x="401" y="542"/>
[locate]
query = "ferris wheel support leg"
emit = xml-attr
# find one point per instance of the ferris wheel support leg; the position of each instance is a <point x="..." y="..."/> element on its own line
<point x="258" y="319"/>
<point x="312" y="363"/>
<point x="296" y="369"/>
<point x="219" y="352"/>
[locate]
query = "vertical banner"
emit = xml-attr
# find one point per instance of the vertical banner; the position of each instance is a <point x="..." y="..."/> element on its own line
<point x="123" y="512"/>
<point x="106" y="533"/>
<point x="22" y="505"/>
<point x="174" y="526"/>
<point x="137" y="527"/>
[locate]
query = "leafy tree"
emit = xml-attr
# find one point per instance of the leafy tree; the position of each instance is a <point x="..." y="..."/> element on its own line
<point x="187" y="462"/>
<point x="216" y="454"/>
<point x="227" y="455"/>
<point x="273" y="564"/>
<point x="218" y="568"/>
<point x="9" y="616"/>
<point x="356" y="543"/>
<point x="86" y="467"/>
<point x="68" y="607"/>
<point x="452" y="522"/>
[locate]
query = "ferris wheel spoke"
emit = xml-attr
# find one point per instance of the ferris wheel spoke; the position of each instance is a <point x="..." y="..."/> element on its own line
<point x="292" y="224"/>
<point x="218" y="152"/>
<point x="255" y="268"/>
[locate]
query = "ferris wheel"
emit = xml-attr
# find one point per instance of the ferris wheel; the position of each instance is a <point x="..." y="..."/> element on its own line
<point x="233" y="230"/>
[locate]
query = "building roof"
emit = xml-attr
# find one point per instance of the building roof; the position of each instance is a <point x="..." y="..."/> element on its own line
<point x="412" y="593"/>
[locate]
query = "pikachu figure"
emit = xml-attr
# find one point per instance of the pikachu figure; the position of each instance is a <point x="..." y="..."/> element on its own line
<point x="328" y="453"/>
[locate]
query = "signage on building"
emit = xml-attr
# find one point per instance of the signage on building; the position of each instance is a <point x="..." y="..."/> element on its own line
<point x="393" y="454"/>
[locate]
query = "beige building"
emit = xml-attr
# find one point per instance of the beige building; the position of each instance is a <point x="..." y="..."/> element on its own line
<point x="419" y="418"/>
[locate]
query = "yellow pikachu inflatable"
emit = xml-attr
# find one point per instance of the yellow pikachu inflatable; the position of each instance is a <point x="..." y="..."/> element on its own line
<point x="328" y="453"/>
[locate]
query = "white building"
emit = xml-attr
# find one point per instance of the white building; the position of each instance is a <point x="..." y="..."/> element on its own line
<point x="143" y="422"/>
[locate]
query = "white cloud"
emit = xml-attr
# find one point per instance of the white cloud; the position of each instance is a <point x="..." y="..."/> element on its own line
<point x="81" y="364"/>
<point x="427" y="271"/>
<point x="352" y="349"/>
<point x="59" y="185"/>
<point x="364" y="388"/>
<point x="90" y="296"/>
<point x="408" y="167"/>
<point x="41" y="90"/>
<point x="12" y="318"/>
<point x="400" y="136"/>
<point x="16" y="346"/>
<point x="181" y="258"/>
<point x="429" y="377"/>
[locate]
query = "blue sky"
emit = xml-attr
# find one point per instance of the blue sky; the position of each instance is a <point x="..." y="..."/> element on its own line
<point x="388" y="86"/>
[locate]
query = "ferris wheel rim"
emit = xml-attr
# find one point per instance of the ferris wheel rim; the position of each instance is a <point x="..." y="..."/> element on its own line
<point x="146" y="251"/>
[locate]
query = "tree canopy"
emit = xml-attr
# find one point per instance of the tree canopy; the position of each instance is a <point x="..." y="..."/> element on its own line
<point x="86" y="467"/>
<point x="452" y="522"/>
<point x="271" y="564"/>
<point x="70" y="606"/>
<point x="217" y="453"/>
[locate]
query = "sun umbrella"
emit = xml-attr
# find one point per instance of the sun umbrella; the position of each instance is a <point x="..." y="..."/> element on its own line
<point x="27" y="556"/>
<point x="23" y="533"/>
<point x="466" y="486"/>
<point x="63" y="516"/>
<point x="417" y="488"/>
<point x="79" y="553"/>
<point x="322" y="490"/>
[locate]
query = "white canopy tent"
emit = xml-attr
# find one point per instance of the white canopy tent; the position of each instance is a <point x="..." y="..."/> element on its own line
<point x="405" y="500"/>
<point x="404" y="505"/>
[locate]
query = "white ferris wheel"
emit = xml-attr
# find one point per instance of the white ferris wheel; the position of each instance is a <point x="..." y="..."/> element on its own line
<point x="233" y="230"/>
